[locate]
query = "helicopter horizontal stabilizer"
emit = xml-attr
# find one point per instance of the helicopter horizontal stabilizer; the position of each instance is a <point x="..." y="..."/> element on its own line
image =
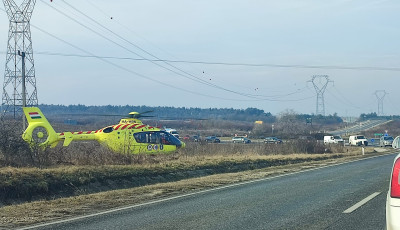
<point x="39" y="132"/>
<point x="68" y="138"/>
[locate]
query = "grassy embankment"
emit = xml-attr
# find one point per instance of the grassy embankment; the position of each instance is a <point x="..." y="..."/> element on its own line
<point x="86" y="173"/>
<point x="93" y="170"/>
<point x="27" y="184"/>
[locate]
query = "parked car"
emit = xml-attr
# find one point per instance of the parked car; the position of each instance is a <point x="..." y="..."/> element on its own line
<point x="396" y="143"/>
<point x="386" y="141"/>
<point x="195" y="138"/>
<point x="358" y="140"/>
<point x="393" y="197"/>
<point x="186" y="138"/>
<point x="273" y="140"/>
<point x="212" y="139"/>
<point x="241" y="140"/>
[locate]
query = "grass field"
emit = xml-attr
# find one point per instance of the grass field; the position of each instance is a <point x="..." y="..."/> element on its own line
<point x="21" y="184"/>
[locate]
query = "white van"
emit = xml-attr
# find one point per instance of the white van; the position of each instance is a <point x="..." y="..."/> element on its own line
<point x="172" y="131"/>
<point x="358" y="140"/>
<point x="333" y="140"/>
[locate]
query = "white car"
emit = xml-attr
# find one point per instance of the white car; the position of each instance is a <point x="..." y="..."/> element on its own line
<point x="386" y="141"/>
<point x="396" y="143"/>
<point x="393" y="198"/>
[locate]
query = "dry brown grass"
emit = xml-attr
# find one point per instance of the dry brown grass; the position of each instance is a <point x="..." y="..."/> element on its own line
<point x="88" y="167"/>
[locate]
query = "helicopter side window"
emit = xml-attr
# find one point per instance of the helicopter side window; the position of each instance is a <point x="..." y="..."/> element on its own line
<point x="157" y="137"/>
<point x="147" y="137"/>
<point x="154" y="137"/>
<point x="140" y="137"/>
<point x="108" y="130"/>
<point x="165" y="138"/>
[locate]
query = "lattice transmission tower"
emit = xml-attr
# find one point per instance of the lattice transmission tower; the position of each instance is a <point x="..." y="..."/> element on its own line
<point x="380" y="95"/>
<point x="320" y="83"/>
<point x="19" y="60"/>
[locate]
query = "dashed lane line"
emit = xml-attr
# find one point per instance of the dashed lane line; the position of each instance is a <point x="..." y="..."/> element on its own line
<point x="362" y="202"/>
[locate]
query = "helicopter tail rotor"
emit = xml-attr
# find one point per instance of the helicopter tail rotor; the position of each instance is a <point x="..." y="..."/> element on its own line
<point x="39" y="132"/>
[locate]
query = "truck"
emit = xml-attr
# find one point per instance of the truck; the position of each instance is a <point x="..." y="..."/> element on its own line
<point x="333" y="140"/>
<point x="358" y="140"/>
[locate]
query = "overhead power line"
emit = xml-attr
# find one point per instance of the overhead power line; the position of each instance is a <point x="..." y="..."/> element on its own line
<point x="174" y="70"/>
<point x="157" y="60"/>
<point x="89" y="54"/>
<point x="362" y="68"/>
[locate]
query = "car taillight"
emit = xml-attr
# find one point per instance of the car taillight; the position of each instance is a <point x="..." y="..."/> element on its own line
<point x="395" y="186"/>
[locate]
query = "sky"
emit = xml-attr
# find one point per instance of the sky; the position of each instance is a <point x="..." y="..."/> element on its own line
<point x="217" y="54"/>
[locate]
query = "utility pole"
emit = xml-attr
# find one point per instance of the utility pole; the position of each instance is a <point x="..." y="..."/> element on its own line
<point x="320" y="83"/>
<point x="380" y="95"/>
<point x="22" y="54"/>
<point x="19" y="50"/>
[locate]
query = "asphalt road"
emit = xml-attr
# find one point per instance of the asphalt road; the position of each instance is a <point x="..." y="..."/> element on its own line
<point x="324" y="198"/>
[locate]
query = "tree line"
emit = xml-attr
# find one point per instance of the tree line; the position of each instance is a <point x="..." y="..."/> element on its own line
<point x="185" y="113"/>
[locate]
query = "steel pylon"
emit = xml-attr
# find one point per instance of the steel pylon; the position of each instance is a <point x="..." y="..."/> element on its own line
<point x="320" y="83"/>
<point x="380" y="95"/>
<point x="19" y="41"/>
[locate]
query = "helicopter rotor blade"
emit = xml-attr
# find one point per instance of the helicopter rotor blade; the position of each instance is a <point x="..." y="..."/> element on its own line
<point x="149" y="111"/>
<point x="93" y="114"/>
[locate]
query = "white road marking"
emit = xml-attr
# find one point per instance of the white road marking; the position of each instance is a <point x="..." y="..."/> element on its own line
<point x="361" y="203"/>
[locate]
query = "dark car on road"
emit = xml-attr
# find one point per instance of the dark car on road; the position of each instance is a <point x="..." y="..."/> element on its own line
<point x="195" y="138"/>
<point x="273" y="140"/>
<point x="212" y="139"/>
<point x="241" y="140"/>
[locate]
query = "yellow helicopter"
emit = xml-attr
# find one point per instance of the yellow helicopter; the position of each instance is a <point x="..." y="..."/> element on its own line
<point x="129" y="136"/>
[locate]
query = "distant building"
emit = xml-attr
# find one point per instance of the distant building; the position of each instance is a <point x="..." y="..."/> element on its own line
<point x="70" y="122"/>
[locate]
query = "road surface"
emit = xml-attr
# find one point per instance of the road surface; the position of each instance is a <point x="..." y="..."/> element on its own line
<point x="345" y="196"/>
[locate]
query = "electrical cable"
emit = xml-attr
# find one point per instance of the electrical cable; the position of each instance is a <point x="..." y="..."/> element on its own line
<point x="126" y="69"/>
<point x="133" y="72"/>
<point x="221" y="63"/>
<point x="107" y="57"/>
<point x="192" y="77"/>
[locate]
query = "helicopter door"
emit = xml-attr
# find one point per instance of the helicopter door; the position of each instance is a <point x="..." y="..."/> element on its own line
<point x="134" y="142"/>
<point x="127" y="143"/>
<point x="141" y="142"/>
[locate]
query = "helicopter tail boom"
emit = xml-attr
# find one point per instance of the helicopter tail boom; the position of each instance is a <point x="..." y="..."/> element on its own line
<point x="68" y="137"/>
<point x="39" y="132"/>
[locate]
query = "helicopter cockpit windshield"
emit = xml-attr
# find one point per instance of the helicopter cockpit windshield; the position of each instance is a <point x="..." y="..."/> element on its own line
<point x="157" y="137"/>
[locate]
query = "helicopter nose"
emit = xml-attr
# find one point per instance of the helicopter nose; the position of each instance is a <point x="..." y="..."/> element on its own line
<point x="183" y="144"/>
